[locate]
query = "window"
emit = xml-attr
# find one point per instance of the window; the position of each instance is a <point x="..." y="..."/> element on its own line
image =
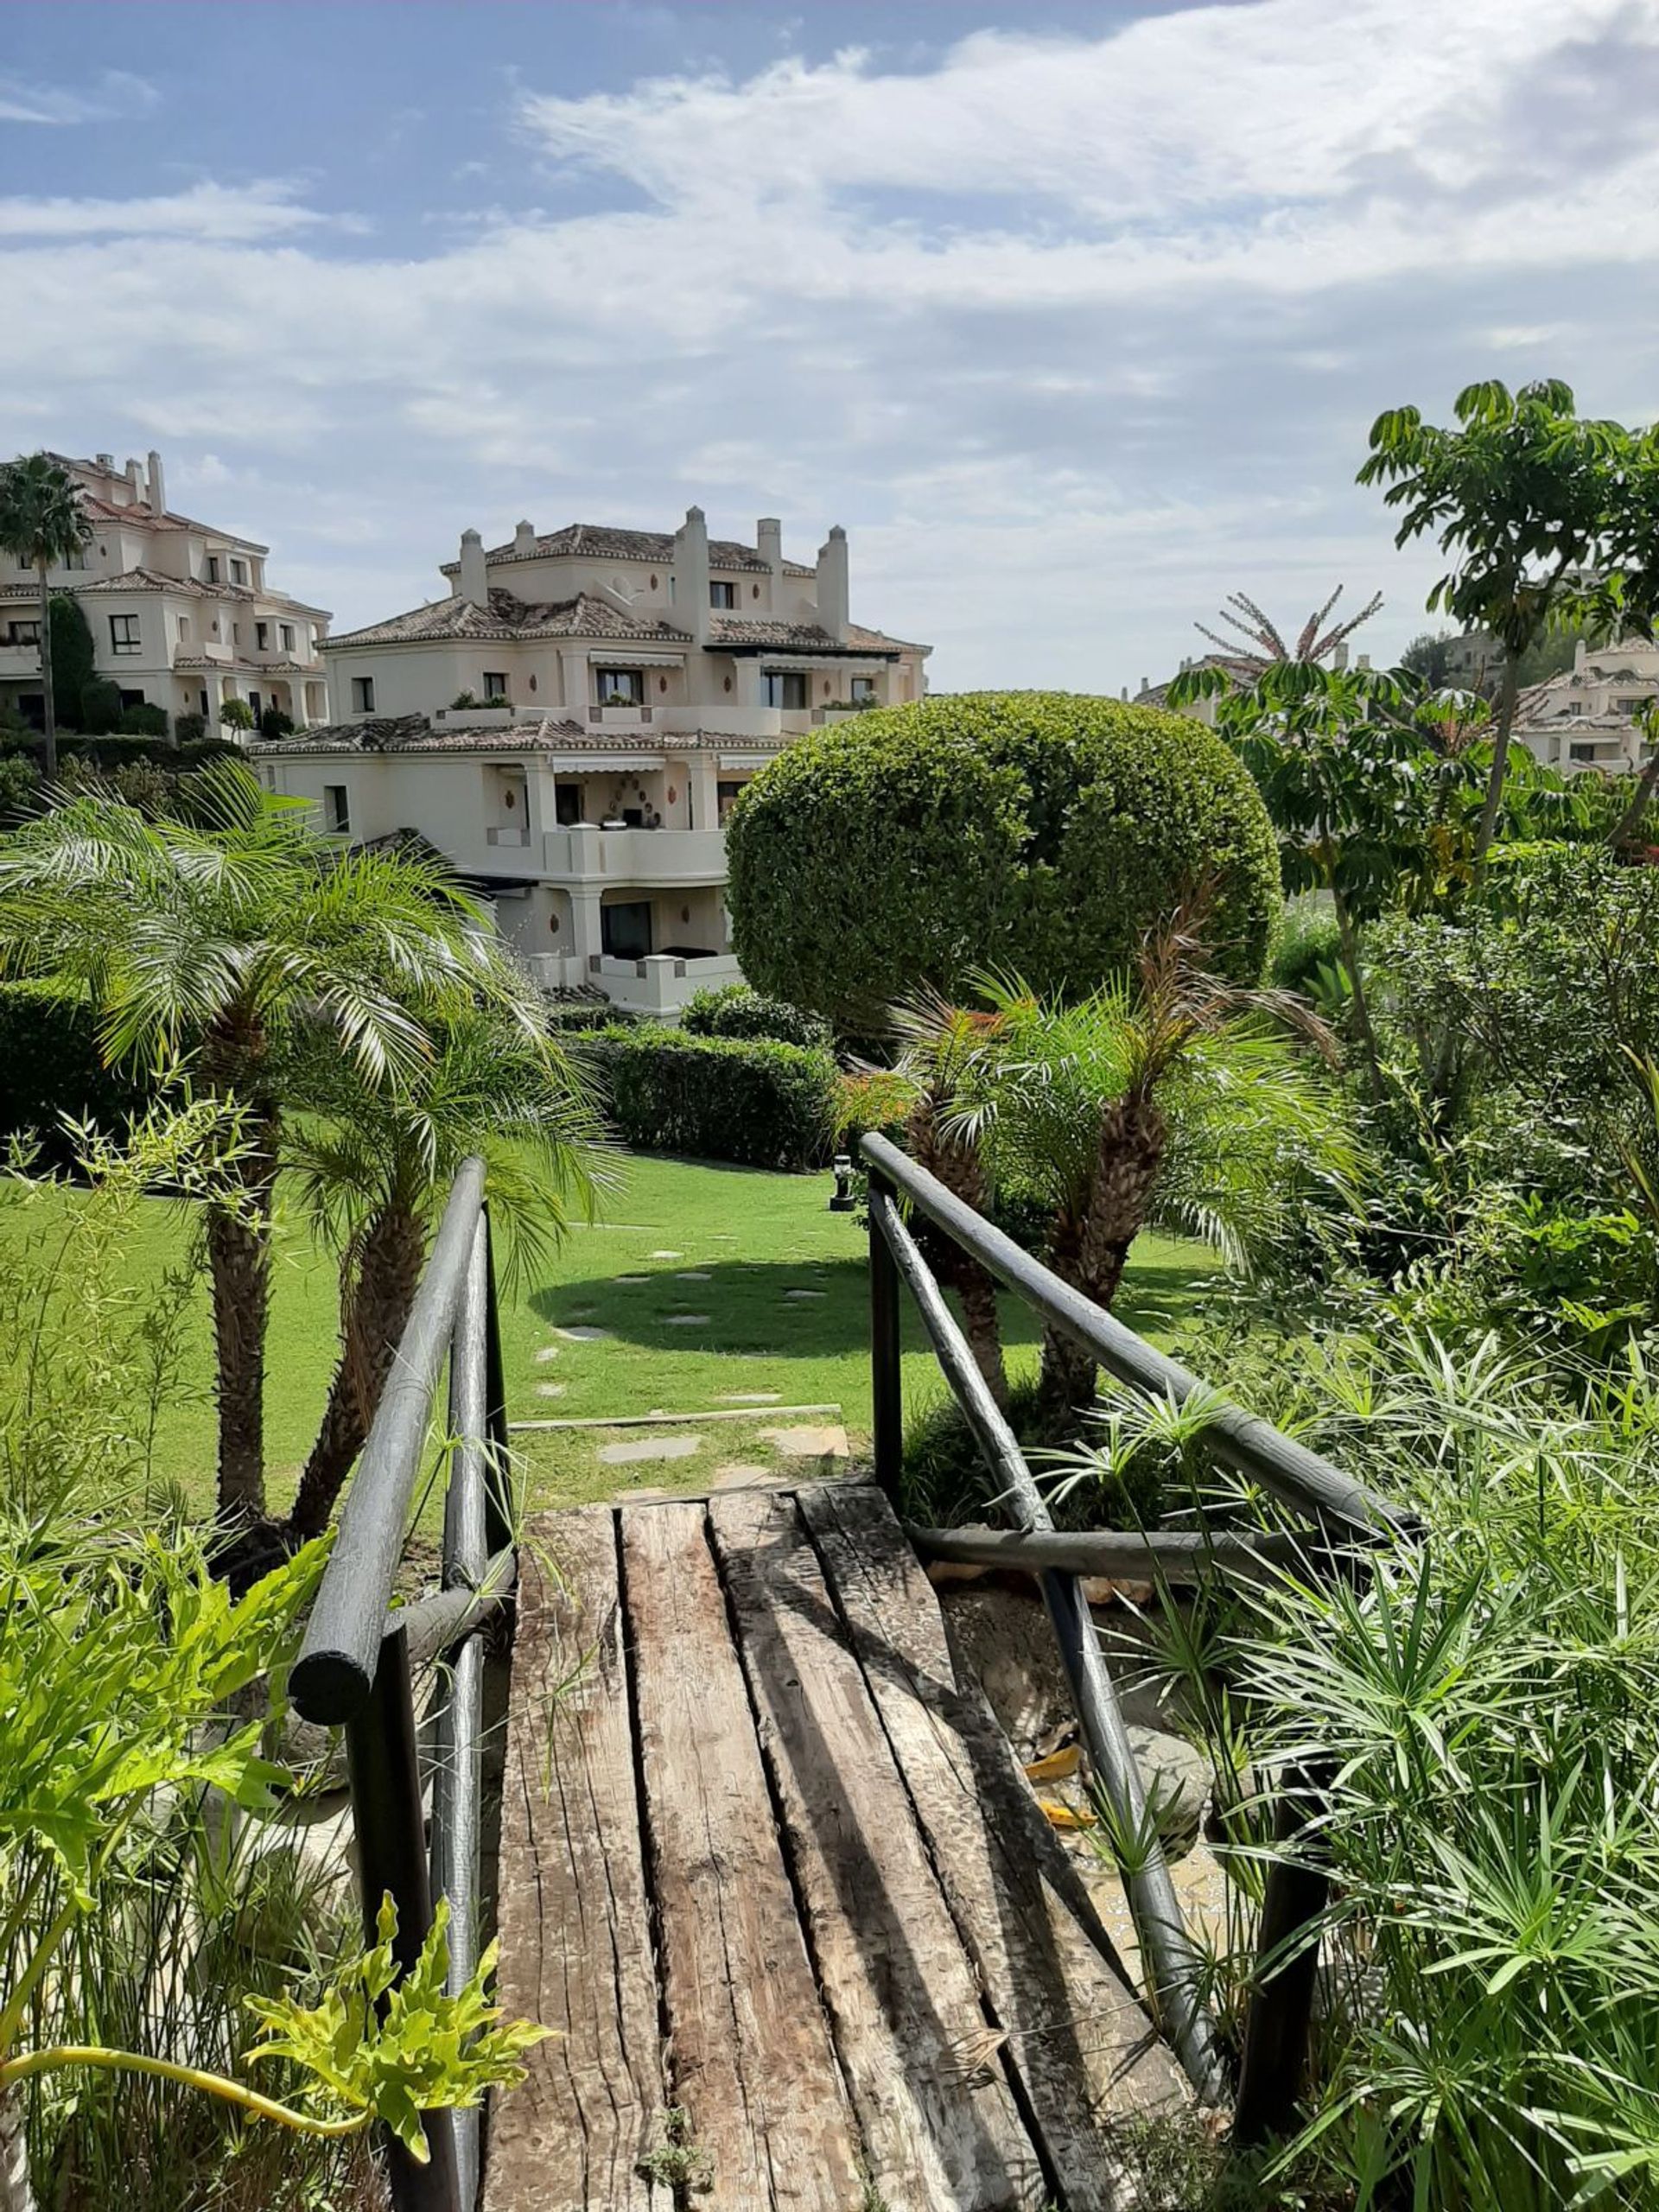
<point x="621" y="686"/>
<point x="262" y="637"/>
<point x="495" y="686"/>
<point x="861" y="690"/>
<point x="184" y="628"/>
<point x="22" y="633"/>
<point x="256" y="705"/>
<point x="625" y="928"/>
<point x="212" y="568"/>
<point x="725" y="793"/>
<point x="202" y="696"/>
<point x="1580" y="751"/>
<point x="784" y="688"/>
<point x="362" y="694"/>
<point x="1632" y="706"/>
<point x="124" y="633"/>
<point x="134" y="699"/>
<point x="336" y="810"/>
<point x="75" y="558"/>
<point x="567" y="804"/>
<point x="723" y="594"/>
<point x="285" y="631"/>
<point x="238" y="571"/>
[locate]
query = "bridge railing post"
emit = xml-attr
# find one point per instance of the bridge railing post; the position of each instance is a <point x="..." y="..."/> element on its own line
<point x="886" y="1391"/>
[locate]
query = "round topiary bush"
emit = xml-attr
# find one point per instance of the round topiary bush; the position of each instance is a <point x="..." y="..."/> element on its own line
<point x="1033" y="832"/>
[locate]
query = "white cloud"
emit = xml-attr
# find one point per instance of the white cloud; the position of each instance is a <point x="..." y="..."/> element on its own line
<point x="1073" y="335"/>
<point x="117" y="93"/>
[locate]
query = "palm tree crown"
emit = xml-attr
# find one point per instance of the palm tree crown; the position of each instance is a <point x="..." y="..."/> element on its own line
<point x="41" y="523"/>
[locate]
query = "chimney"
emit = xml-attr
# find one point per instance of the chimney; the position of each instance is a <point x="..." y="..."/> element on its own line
<point x="1579" y="654"/>
<point x="1365" y="661"/>
<point x="157" y="484"/>
<point x="769" y="543"/>
<point x="523" y="540"/>
<point x="106" y="462"/>
<point x="135" y="484"/>
<point x="832" y="584"/>
<point x="474" y="585"/>
<point x="692" y="575"/>
<point x="1339" y="658"/>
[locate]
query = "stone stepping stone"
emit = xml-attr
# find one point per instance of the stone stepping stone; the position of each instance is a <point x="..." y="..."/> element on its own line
<point x="546" y="1352"/>
<point x="550" y="1389"/>
<point x="648" y="1447"/>
<point x="692" y="1275"/>
<point x="733" y="1473"/>
<point x="664" y="1255"/>
<point x="804" y="1294"/>
<point x="748" y="1397"/>
<point x="687" y="1320"/>
<point x="585" y="1335"/>
<point x="630" y="1278"/>
<point x="805" y="1443"/>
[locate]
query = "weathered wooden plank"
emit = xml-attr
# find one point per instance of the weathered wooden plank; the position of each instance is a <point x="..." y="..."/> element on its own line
<point x="575" y="1940"/>
<point x="751" y="2056"/>
<point x="1077" y="2037"/>
<point x="941" y="2129"/>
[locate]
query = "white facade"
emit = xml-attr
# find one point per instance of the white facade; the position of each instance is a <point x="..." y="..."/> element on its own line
<point x="1585" y="718"/>
<point x="642" y="679"/>
<point x="180" y="614"/>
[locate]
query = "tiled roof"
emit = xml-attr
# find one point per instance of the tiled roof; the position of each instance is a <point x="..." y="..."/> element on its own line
<point x="508" y="617"/>
<point x="139" y="512"/>
<point x="738" y="630"/>
<point x="597" y="541"/>
<point x="540" y="734"/>
<point x="130" y="580"/>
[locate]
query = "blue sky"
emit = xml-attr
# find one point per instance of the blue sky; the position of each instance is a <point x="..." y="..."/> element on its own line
<point x="1075" y="316"/>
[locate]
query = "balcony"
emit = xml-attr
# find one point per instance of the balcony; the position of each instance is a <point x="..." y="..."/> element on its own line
<point x="507" y="833"/>
<point x="659" y="984"/>
<point x="613" y="717"/>
<point x="17" y="661"/>
<point x="585" y="854"/>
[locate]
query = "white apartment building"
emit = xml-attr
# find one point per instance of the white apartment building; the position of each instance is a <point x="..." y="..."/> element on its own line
<point x="626" y="684"/>
<point x="180" y="614"/>
<point x="1586" y="717"/>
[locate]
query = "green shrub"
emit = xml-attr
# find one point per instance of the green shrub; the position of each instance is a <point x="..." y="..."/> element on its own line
<point x="736" y="1011"/>
<point x="275" y="724"/>
<point x="236" y="713"/>
<point x="50" y="1068"/>
<point x="756" y="1102"/>
<point x="144" y="720"/>
<point x="190" y="729"/>
<point x="1029" y="831"/>
<point x="566" y="1015"/>
<point x="872" y="1100"/>
<point x="20" y="786"/>
<point x="100" y="707"/>
<point x="71" y="657"/>
<point x="1307" y="941"/>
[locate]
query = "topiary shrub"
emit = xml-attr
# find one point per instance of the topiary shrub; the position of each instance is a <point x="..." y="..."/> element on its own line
<point x="736" y="1011"/>
<point x="144" y="720"/>
<point x="236" y="713"/>
<point x="72" y="656"/>
<point x="190" y="729"/>
<point x="100" y="707"/>
<point x="1034" y="831"/>
<point x="756" y="1102"/>
<point x="50" y="1067"/>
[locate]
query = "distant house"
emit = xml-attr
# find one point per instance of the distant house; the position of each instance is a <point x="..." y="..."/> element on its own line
<point x="180" y="614"/>
<point x="1585" y="718"/>
<point x="572" y="723"/>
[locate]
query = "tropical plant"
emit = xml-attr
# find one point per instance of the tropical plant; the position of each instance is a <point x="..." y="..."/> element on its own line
<point x="374" y="1166"/>
<point x="41" y="523"/>
<point x="233" y="937"/>
<point x="72" y="655"/>
<point x="235" y="713"/>
<point x="906" y="848"/>
<point x="1527" y="500"/>
<point x="1263" y="645"/>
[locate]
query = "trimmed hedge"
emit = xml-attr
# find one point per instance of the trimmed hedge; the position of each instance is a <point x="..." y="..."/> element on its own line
<point x="757" y="1103"/>
<point x="50" y="1067"/>
<point x="736" y="1011"/>
<point x="1032" y="832"/>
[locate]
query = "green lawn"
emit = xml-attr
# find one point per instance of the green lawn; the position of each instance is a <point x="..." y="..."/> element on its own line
<point x="746" y="1238"/>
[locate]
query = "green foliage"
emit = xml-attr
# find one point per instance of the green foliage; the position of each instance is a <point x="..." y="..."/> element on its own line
<point x="577" y="1014"/>
<point x="72" y="655"/>
<point x="391" y="2049"/>
<point x="235" y="713"/>
<point x="736" y="1011"/>
<point x="100" y="707"/>
<point x="755" y="1100"/>
<point x="190" y="729"/>
<point x="1308" y="940"/>
<point x="911" y="845"/>
<point x="872" y="1101"/>
<point x="53" y="1074"/>
<point x="143" y="719"/>
<point x="275" y="723"/>
<point x="20" y="788"/>
<point x="1427" y="658"/>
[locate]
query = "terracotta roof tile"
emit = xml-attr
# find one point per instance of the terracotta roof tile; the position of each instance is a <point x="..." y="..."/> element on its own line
<point x="598" y="542"/>
<point x="507" y="617"/>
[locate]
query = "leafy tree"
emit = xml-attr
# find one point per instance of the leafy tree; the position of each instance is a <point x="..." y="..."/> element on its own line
<point x="1526" y="500"/>
<point x="375" y="1167"/>
<point x="236" y="713"/>
<point x="72" y="655"/>
<point x="42" y="524"/>
<point x="1428" y="658"/>
<point x="227" y="932"/>
<point x="1264" y="647"/>
<point x="275" y="723"/>
<point x="907" y="847"/>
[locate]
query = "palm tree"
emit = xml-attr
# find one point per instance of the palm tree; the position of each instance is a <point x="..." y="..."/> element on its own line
<point x="1263" y="645"/>
<point x="41" y="523"/>
<point x="230" y="936"/>
<point x="373" y="1167"/>
<point x="1173" y="1097"/>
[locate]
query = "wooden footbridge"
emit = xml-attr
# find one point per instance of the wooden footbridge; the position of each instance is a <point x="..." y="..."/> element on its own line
<point x="768" y="1868"/>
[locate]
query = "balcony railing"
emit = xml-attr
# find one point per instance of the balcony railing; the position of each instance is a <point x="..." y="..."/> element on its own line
<point x="585" y="854"/>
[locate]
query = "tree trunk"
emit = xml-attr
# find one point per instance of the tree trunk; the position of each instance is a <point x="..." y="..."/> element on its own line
<point x="17" y="2193"/>
<point x="50" y="703"/>
<point x="374" y="1311"/>
<point x="1629" y="821"/>
<point x="1090" y="1253"/>
<point x="957" y="1167"/>
<point x="1348" y="936"/>
<point x="239" y="1267"/>
<point x="1509" y="691"/>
